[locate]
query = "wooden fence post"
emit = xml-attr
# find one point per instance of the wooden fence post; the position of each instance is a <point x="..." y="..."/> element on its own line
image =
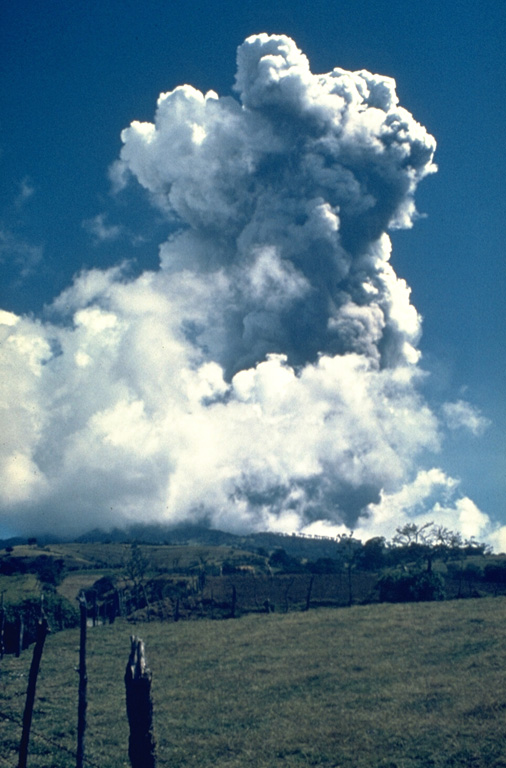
<point x="141" y="743"/>
<point x="309" y="590"/>
<point x="2" y="628"/>
<point x="286" y="593"/>
<point x="20" y="633"/>
<point x="95" y="610"/>
<point x="42" y="630"/>
<point x="83" y="682"/>
<point x="234" y="602"/>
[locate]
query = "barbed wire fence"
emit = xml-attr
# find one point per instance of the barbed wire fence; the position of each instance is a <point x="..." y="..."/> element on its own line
<point x="35" y="734"/>
<point x="6" y="762"/>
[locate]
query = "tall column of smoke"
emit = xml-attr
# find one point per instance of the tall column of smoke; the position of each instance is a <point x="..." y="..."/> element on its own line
<point x="266" y="376"/>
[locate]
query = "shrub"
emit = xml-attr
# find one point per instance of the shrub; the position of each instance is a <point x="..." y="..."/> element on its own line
<point x="286" y="563"/>
<point x="496" y="572"/>
<point x="48" y="569"/>
<point x="60" y="614"/>
<point x="324" y="565"/>
<point x="402" y="587"/>
<point x="228" y="568"/>
<point x="104" y="586"/>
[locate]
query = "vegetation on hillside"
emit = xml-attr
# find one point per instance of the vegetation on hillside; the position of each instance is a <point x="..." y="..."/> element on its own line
<point x="197" y="579"/>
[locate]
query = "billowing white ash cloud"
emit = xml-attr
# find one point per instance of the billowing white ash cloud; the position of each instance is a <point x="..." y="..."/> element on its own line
<point x="266" y="376"/>
<point x="286" y="197"/>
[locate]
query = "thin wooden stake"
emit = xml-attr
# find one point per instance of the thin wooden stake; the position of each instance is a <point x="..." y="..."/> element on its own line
<point x="2" y="628"/>
<point x="83" y="682"/>
<point x="42" y="630"/>
<point x="309" y="590"/>
<point x="20" y="634"/>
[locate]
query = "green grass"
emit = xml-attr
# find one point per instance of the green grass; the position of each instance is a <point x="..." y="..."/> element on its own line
<point x="378" y="686"/>
<point x="73" y="583"/>
<point x="18" y="587"/>
<point x="179" y="557"/>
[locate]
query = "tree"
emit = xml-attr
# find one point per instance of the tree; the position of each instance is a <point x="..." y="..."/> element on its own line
<point x="372" y="556"/>
<point x="49" y="570"/>
<point x="285" y="562"/>
<point x="137" y="565"/>
<point x="426" y="543"/>
<point x="495" y="573"/>
<point x="350" y="550"/>
<point x="416" y="548"/>
<point x="414" y="542"/>
<point x="136" y="568"/>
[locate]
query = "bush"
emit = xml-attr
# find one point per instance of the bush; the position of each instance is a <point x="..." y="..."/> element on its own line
<point x="10" y="565"/>
<point x="324" y="565"/>
<point x="48" y="569"/>
<point x="228" y="568"/>
<point x="102" y="587"/>
<point x="372" y="555"/>
<point x="286" y="563"/>
<point x="496" y="572"/>
<point x="60" y="614"/>
<point x="402" y="587"/>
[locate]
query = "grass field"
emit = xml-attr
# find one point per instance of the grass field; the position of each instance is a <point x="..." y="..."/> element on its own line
<point x="378" y="686"/>
<point x="18" y="587"/>
<point x="178" y="557"/>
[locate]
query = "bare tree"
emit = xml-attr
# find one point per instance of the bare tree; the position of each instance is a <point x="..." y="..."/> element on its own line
<point x="136" y="568"/>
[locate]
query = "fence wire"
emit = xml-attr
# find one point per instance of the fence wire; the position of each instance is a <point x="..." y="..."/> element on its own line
<point x="34" y="733"/>
<point x="60" y="747"/>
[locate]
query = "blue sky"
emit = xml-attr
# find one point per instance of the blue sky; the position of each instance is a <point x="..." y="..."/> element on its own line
<point x="74" y="75"/>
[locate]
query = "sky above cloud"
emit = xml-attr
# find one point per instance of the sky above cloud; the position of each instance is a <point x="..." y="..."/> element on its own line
<point x="228" y="335"/>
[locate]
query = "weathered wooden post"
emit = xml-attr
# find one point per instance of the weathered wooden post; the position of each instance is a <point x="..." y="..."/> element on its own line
<point x="234" y="602"/>
<point x="83" y="682"/>
<point x="119" y="602"/>
<point x="42" y="630"/>
<point x="2" y="627"/>
<point x="20" y="633"/>
<point x="309" y="590"/>
<point x="95" y="610"/>
<point x="141" y="743"/>
<point x="286" y="593"/>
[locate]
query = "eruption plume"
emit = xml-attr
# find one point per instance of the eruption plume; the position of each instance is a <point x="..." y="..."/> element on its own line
<point x="266" y="376"/>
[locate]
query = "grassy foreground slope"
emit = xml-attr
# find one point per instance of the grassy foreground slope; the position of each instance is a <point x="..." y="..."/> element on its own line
<point x="378" y="686"/>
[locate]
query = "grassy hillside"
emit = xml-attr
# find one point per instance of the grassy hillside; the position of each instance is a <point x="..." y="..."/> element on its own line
<point x="84" y="563"/>
<point x="18" y="587"/>
<point x="378" y="686"/>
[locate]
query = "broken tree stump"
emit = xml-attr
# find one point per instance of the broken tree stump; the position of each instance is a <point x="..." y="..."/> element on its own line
<point x="139" y="704"/>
